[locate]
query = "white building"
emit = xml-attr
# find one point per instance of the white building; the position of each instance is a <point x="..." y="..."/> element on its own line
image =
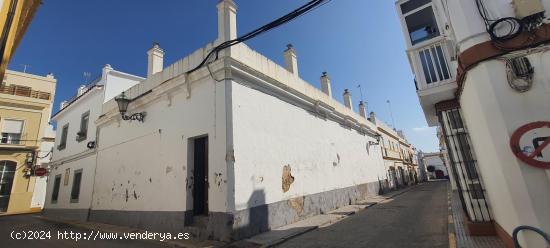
<point x="73" y="163"/>
<point x="435" y="160"/>
<point x="481" y="78"/>
<point x="235" y="148"/>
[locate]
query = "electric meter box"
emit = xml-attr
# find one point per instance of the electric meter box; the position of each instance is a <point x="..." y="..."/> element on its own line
<point x="526" y="8"/>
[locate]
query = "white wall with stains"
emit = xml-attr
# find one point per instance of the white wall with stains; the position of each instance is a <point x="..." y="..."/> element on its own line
<point x="87" y="165"/>
<point x="269" y="133"/>
<point x="144" y="166"/>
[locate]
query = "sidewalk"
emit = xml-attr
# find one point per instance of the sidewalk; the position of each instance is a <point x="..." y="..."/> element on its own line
<point x="462" y="239"/>
<point x="266" y="239"/>
<point x="191" y="243"/>
<point x="284" y="233"/>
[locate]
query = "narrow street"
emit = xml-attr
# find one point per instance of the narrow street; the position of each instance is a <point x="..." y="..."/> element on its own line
<point x="417" y="218"/>
<point x="10" y="225"/>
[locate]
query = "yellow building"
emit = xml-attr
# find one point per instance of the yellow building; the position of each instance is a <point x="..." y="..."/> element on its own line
<point x="25" y="109"/>
<point x="15" y="17"/>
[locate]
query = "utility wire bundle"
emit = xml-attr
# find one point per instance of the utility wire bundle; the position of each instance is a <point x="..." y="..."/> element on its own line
<point x="515" y="26"/>
<point x="272" y="25"/>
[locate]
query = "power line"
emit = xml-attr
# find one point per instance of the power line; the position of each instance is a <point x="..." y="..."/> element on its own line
<point x="311" y="5"/>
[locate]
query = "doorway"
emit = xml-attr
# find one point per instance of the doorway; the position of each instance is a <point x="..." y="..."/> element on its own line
<point x="7" y="174"/>
<point x="200" y="175"/>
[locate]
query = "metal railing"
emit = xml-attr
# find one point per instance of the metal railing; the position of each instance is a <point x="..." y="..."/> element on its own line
<point x="25" y="91"/>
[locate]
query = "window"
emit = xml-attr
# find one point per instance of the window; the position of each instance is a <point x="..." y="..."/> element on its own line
<point x="56" y="184"/>
<point x="11" y="132"/>
<point x="83" y="133"/>
<point x="434" y="64"/>
<point x="422" y="25"/>
<point x="7" y="173"/>
<point x="63" y="142"/>
<point x="75" y="191"/>
<point x="413" y="4"/>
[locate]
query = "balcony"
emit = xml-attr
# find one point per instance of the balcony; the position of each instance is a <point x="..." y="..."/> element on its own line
<point x="19" y="90"/>
<point x="435" y="70"/>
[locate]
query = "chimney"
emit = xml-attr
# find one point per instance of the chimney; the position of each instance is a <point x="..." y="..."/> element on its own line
<point x="155" y="59"/>
<point x="372" y="117"/>
<point x="81" y="90"/>
<point x="291" y="60"/>
<point x="363" y="109"/>
<point x="50" y="75"/>
<point x="347" y="99"/>
<point x="227" y="20"/>
<point x="325" y="84"/>
<point x="63" y="104"/>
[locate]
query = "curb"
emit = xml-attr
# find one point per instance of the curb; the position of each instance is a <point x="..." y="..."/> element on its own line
<point x="391" y="196"/>
<point x="450" y="221"/>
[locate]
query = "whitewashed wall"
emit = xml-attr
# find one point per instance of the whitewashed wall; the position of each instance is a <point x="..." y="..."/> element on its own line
<point x="72" y="114"/>
<point x="270" y="133"/>
<point x="492" y="111"/>
<point x="150" y="158"/>
<point x="437" y="162"/>
<point x="468" y="25"/>
<point x="87" y="164"/>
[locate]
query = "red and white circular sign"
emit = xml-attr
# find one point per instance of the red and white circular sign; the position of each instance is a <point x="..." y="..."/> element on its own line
<point x="531" y="144"/>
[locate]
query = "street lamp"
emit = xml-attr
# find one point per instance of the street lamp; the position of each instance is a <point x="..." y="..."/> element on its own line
<point x="123" y="103"/>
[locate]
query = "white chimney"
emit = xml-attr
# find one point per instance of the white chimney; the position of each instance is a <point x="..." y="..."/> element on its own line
<point x="63" y="104"/>
<point x="291" y="60"/>
<point x="372" y="117"/>
<point x="362" y="109"/>
<point x="347" y="99"/>
<point x="227" y="20"/>
<point x="81" y="90"/>
<point x="325" y="84"/>
<point x="155" y="59"/>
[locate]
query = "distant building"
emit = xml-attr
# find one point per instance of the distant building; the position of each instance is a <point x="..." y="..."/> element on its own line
<point x="399" y="156"/>
<point x="237" y="147"/>
<point x="435" y="165"/>
<point x="481" y="75"/>
<point x="26" y="141"/>
<point x="16" y="17"/>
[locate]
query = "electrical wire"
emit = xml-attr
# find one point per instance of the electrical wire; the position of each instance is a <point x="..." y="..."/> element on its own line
<point x="515" y="25"/>
<point x="311" y="5"/>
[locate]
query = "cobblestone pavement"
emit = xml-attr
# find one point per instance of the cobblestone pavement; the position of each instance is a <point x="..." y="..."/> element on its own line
<point x="418" y="218"/>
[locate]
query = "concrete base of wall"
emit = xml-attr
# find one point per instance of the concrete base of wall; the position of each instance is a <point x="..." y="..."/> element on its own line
<point x="226" y="226"/>
<point x="66" y="213"/>
<point x="160" y="221"/>
<point x="504" y="236"/>
<point x="258" y="219"/>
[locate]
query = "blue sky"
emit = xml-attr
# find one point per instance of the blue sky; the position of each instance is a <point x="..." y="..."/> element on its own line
<point x="357" y="42"/>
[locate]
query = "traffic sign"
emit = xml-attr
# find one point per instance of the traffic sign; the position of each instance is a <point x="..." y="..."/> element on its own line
<point x="531" y="144"/>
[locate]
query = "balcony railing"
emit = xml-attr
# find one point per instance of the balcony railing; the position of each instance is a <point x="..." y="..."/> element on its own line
<point x="25" y="91"/>
<point x="432" y="64"/>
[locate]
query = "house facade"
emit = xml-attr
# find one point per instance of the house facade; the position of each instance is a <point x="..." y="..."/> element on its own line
<point x="399" y="156"/>
<point x="480" y="74"/>
<point x="25" y="110"/>
<point x="73" y="165"/>
<point x="237" y="147"/>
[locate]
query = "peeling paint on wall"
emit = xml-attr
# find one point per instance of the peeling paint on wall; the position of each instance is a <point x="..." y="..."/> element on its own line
<point x="297" y="204"/>
<point x="288" y="179"/>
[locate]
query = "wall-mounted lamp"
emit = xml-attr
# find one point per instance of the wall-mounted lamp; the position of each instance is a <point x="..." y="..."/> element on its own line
<point x="123" y="103"/>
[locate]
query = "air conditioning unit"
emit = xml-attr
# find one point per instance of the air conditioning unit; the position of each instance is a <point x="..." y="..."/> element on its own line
<point x="527" y="8"/>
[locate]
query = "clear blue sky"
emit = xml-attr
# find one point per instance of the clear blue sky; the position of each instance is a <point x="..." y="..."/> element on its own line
<point x="357" y="42"/>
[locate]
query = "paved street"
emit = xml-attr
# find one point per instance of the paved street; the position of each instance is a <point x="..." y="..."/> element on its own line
<point x="20" y="223"/>
<point x="417" y="218"/>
